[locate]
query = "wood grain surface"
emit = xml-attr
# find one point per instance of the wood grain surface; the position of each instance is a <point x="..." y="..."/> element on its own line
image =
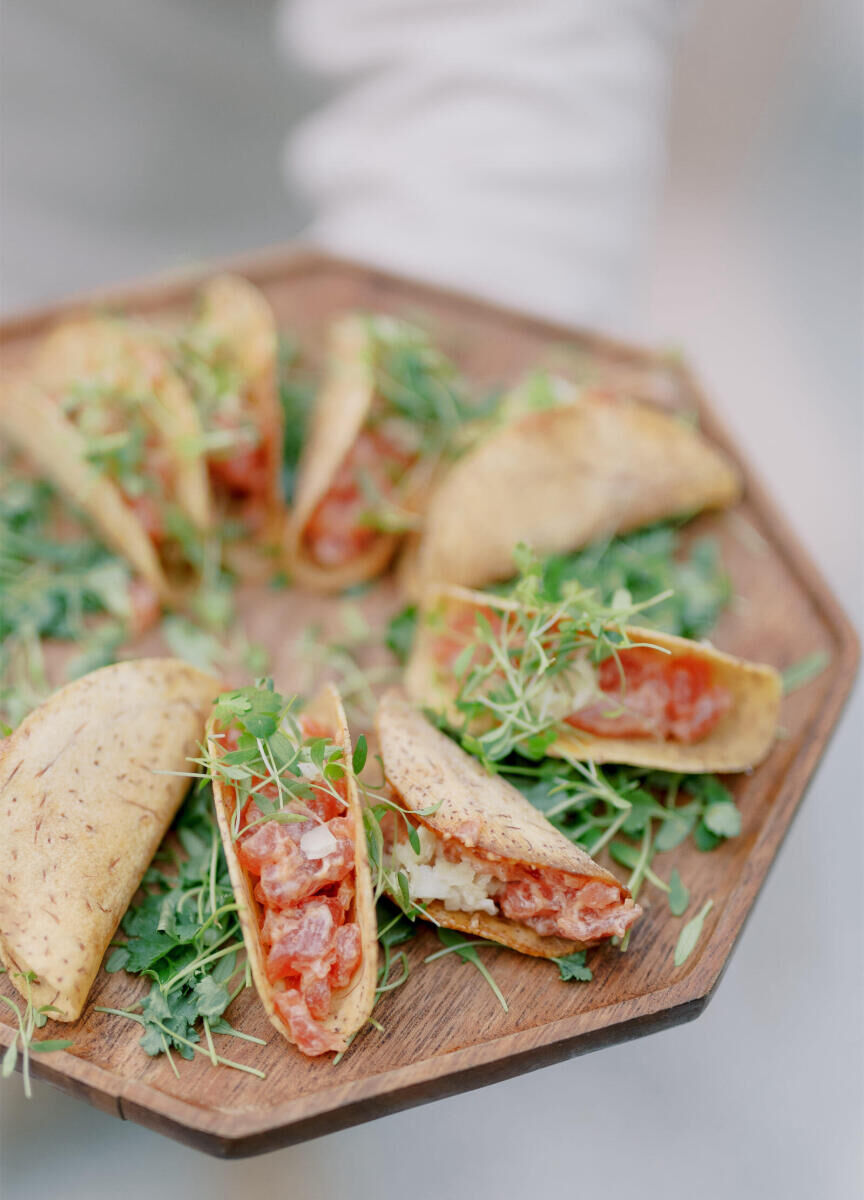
<point x="444" y="1031"/>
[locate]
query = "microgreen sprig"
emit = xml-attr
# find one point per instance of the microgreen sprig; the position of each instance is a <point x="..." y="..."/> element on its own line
<point x="635" y="813"/>
<point x="274" y="763"/>
<point x="519" y="660"/>
<point x="185" y="936"/>
<point x="32" y="1018"/>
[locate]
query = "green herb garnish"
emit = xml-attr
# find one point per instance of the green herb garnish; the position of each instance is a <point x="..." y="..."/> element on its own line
<point x="572" y="967"/>
<point x="644" y="565"/>
<point x="297" y="397"/>
<point x="399" y="635"/>
<point x="274" y="764"/>
<point x="466" y="949"/>
<point x="804" y="670"/>
<point x="28" y="1021"/>
<point x="185" y="936"/>
<point x="690" y="934"/>
<point x="52" y="588"/>
<point x="633" y="812"/>
<point x="524" y="659"/>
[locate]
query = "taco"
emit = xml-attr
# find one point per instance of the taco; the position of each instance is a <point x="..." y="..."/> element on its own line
<point x="117" y="386"/>
<point x="85" y="799"/>
<point x="227" y="357"/>
<point x="484" y="860"/>
<point x="35" y="425"/>
<point x="560" y="467"/>
<point x="384" y="418"/>
<point x="292" y="829"/>
<point x="104" y="416"/>
<point x="651" y="700"/>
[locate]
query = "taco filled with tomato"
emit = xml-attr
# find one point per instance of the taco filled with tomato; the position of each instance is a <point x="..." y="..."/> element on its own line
<point x="291" y="824"/>
<point x="559" y="467"/>
<point x="384" y="420"/>
<point x="473" y="854"/>
<point x="560" y="679"/>
<point x="105" y="417"/>
<point x="227" y="357"/>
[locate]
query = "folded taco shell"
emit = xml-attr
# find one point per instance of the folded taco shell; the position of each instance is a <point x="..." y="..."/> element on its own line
<point x="353" y="1006"/>
<point x="558" y="479"/>
<point x="236" y="313"/>
<point x="53" y="446"/>
<point x="83" y="809"/>
<point x="741" y="739"/>
<point x="428" y="771"/>
<point x="123" y="355"/>
<point x="341" y="408"/>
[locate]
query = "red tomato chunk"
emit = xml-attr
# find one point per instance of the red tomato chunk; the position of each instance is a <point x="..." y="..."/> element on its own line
<point x="655" y="695"/>
<point x="336" y="533"/>
<point x="311" y="940"/>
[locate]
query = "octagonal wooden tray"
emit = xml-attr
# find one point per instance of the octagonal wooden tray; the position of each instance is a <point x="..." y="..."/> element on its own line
<point x="444" y="1030"/>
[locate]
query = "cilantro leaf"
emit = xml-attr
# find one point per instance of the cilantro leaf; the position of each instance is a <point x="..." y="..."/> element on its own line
<point x="572" y="967"/>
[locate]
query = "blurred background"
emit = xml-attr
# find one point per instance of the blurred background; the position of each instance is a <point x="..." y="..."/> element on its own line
<point x="688" y="174"/>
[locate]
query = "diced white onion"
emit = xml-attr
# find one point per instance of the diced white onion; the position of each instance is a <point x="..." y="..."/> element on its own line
<point x="431" y="876"/>
<point x="318" y="842"/>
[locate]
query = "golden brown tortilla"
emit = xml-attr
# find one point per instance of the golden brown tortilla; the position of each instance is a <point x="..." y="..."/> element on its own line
<point x="355" y="1003"/>
<point x="482" y="812"/>
<point x="239" y="317"/>
<point x="740" y="740"/>
<point x="341" y="408"/>
<point x="558" y="479"/>
<point x="82" y="811"/>
<point x="123" y="356"/>
<point x="35" y="425"/>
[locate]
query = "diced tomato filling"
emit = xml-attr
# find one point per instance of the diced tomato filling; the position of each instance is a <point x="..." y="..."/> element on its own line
<point x="572" y="907"/>
<point x="244" y="473"/>
<point x="310" y="936"/>
<point x="336" y="532"/>
<point x="655" y="695"/>
<point x="144" y="606"/>
<point x="149" y="512"/>
<point x="553" y="903"/>
<point x="652" y="694"/>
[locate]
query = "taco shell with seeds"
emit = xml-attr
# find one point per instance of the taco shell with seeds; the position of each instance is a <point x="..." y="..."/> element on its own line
<point x="532" y="890"/>
<point x="557" y="479"/>
<point x="84" y="804"/>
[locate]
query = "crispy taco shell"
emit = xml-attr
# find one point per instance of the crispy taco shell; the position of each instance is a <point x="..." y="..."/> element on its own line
<point x="83" y="810"/>
<point x="482" y="812"/>
<point x="353" y="1005"/>
<point x="236" y="313"/>
<point x="129" y="358"/>
<point x="341" y="408"/>
<point x="53" y="446"/>
<point x="741" y="739"/>
<point x="558" y="479"/>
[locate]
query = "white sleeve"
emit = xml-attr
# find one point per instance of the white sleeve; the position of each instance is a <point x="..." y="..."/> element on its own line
<point x="510" y="147"/>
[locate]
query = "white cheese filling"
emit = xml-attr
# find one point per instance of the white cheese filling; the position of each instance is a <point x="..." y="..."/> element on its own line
<point x="431" y="876"/>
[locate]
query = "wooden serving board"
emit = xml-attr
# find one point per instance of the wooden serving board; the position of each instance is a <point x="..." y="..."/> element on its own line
<point x="445" y="1031"/>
